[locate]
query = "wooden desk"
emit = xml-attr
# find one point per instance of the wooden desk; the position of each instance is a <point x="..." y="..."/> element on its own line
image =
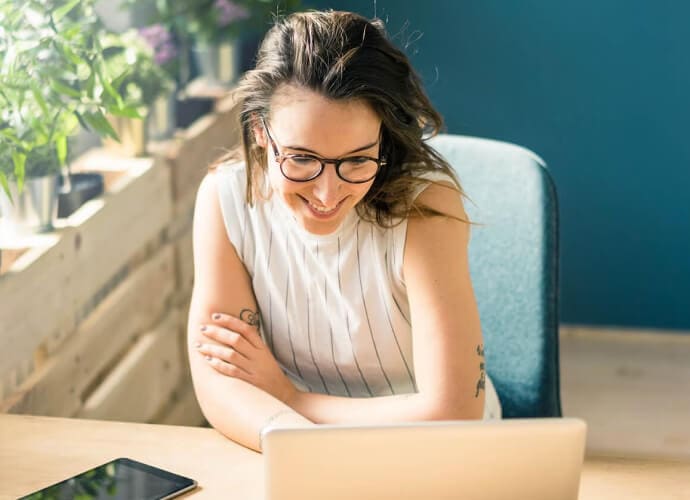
<point x="38" y="451"/>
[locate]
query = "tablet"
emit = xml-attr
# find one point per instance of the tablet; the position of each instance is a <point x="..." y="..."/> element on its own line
<point x="118" y="479"/>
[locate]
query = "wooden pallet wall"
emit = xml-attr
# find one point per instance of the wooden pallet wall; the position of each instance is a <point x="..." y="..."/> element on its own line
<point x="93" y="315"/>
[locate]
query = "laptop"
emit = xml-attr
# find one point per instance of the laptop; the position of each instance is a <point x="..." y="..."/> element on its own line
<point x="531" y="459"/>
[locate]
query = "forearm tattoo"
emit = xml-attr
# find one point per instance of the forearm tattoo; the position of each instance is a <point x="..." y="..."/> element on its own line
<point x="481" y="383"/>
<point x="250" y="317"/>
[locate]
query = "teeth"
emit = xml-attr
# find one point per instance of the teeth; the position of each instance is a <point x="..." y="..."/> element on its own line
<point x="322" y="210"/>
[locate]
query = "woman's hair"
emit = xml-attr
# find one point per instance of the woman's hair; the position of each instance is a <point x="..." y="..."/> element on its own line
<point x="342" y="56"/>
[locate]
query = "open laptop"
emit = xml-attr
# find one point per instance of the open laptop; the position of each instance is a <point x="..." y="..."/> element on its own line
<point x="531" y="459"/>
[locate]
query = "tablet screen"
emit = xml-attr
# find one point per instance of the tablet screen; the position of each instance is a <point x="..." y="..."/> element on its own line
<point x="119" y="479"/>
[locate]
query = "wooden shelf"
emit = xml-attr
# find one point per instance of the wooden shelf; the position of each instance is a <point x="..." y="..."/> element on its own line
<point x="94" y="313"/>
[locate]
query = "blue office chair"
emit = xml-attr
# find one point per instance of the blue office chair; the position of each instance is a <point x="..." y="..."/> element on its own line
<point x="514" y="267"/>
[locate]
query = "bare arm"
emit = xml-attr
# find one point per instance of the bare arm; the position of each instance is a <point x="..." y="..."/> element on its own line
<point x="233" y="406"/>
<point x="447" y="341"/>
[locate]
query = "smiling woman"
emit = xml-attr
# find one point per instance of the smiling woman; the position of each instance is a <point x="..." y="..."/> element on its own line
<point x="330" y="250"/>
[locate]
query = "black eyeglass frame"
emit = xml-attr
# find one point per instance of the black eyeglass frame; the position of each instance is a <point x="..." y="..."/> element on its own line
<point x="280" y="158"/>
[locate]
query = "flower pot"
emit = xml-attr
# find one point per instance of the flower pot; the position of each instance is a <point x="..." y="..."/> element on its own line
<point x="160" y="120"/>
<point x="31" y="211"/>
<point x="132" y="133"/>
<point x="84" y="186"/>
<point x="218" y="63"/>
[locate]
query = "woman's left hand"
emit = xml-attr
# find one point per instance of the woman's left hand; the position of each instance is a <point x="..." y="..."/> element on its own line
<point x="239" y="352"/>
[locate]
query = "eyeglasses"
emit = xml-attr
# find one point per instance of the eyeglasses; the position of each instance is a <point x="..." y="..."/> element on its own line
<point x="305" y="167"/>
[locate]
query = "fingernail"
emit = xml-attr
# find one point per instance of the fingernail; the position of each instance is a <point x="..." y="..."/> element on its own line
<point x="216" y="316"/>
<point x="208" y="358"/>
<point x="202" y="328"/>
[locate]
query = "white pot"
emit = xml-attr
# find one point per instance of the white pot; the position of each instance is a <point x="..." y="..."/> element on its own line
<point x="160" y="119"/>
<point x="31" y="211"/>
<point x="218" y="63"/>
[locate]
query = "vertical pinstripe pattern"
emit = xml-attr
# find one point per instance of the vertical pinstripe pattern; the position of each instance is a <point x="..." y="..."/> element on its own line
<point x="347" y="324"/>
<point x="330" y="328"/>
<point x="390" y="323"/>
<point x="359" y="267"/>
<point x="287" y="318"/>
<point x="366" y="310"/>
<point x="269" y="329"/>
<point x="308" y="311"/>
<point x="402" y="314"/>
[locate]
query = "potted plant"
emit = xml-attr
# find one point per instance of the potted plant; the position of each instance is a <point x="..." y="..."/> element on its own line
<point x="53" y="77"/>
<point x="213" y="31"/>
<point x="141" y="78"/>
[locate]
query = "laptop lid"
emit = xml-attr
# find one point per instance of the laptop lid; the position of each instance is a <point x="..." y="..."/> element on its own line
<point x="536" y="459"/>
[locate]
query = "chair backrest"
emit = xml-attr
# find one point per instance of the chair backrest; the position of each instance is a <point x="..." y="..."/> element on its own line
<point x="514" y="267"/>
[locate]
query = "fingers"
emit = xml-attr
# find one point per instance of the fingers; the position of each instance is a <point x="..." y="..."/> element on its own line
<point x="228" y="369"/>
<point x="225" y="354"/>
<point x="228" y="338"/>
<point x="248" y="331"/>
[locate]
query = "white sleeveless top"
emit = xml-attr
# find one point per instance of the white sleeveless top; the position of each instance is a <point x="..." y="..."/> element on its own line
<point x="334" y="308"/>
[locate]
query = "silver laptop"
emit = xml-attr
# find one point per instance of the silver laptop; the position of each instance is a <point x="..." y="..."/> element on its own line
<point x="531" y="459"/>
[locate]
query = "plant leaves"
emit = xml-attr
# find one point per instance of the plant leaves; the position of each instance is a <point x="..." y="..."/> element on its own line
<point x="5" y="186"/>
<point x="19" y="160"/>
<point x="63" y="89"/>
<point x="61" y="12"/>
<point x="127" y="112"/>
<point x="61" y="148"/>
<point x="100" y="124"/>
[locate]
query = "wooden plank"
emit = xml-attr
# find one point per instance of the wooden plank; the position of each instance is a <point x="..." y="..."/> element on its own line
<point x="143" y="381"/>
<point x="201" y="144"/>
<point x="34" y="298"/>
<point x="183" y="408"/>
<point x="631" y="386"/>
<point x="184" y="265"/>
<point x="133" y="216"/>
<point x="134" y="307"/>
<point x="42" y="304"/>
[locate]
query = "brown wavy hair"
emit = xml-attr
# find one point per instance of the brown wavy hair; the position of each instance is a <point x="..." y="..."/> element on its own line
<point x="342" y="55"/>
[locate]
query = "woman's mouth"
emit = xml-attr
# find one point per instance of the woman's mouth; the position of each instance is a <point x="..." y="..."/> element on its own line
<point x="321" y="212"/>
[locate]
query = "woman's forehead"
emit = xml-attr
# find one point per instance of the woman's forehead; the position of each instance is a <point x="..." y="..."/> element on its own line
<point x="290" y="102"/>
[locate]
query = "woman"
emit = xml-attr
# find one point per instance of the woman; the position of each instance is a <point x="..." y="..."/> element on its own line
<point x="332" y="252"/>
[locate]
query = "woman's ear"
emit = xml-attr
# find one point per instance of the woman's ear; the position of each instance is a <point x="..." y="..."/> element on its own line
<point x="259" y="131"/>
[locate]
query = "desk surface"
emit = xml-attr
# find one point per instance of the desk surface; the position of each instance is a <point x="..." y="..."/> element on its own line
<point x="38" y="451"/>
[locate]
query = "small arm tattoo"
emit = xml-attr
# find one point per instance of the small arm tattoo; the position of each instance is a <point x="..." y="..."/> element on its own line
<point x="250" y="317"/>
<point x="481" y="383"/>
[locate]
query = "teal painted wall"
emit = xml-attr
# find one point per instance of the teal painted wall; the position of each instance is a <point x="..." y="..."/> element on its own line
<point x="599" y="89"/>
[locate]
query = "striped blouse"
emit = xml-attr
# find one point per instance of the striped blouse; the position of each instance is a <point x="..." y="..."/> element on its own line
<point x="334" y="307"/>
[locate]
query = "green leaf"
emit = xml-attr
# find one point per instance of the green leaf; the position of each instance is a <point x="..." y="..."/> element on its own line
<point x="127" y="112"/>
<point x="90" y="83"/>
<point x="108" y="87"/>
<point x="61" y="148"/>
<point x="69" y="54"/>
<point x="39" y="99"/>
<point x="63" y="89"/>
<point x="100" y="124"/>
<point x="82" y="121"/>
<point x="64" y="10"/>
<point x="5" y="186"/>
<point x="19" y="160"/>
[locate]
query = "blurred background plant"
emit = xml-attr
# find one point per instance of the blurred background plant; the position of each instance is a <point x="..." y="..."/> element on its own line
<point x="53" y="77"/>
<point x="138" y="70"/>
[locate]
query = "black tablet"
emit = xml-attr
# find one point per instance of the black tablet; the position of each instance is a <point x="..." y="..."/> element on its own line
<point x="119" y="479"/>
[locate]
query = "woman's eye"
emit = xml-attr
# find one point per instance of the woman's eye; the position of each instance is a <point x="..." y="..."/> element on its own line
<point x="303" y="160"/>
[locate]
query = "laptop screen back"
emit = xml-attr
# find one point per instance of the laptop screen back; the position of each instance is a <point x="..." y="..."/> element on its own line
<point x="536" y="459"/>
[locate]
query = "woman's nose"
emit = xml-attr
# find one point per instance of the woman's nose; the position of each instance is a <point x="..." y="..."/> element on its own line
<point x="327" y="186"/>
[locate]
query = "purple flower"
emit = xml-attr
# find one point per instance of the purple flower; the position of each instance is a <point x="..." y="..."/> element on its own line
<point x="229" y="12"/>
<point x="161" y="41"/>
<point x="164" y="54"/>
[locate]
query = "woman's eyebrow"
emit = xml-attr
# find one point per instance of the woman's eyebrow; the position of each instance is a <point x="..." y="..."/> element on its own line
<point x="345" y="154"/>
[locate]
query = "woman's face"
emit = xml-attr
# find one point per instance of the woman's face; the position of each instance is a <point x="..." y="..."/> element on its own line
<point x="304" y="122"/>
